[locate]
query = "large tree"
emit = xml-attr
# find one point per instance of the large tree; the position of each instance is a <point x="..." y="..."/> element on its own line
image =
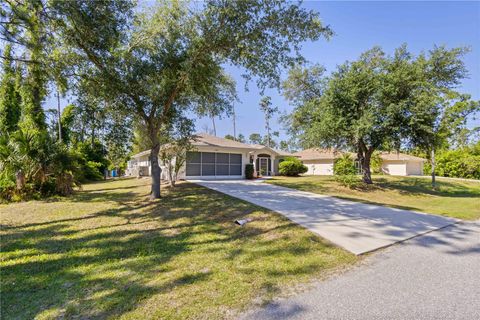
<point x="10" y="101"/>
<point x="377" y="101"/>
<point x="169" y="59"/>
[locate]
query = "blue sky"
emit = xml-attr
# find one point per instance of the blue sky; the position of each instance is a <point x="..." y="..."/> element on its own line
<point x="358" y="26"/>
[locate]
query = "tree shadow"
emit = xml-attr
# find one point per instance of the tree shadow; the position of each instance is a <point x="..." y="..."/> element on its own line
<point x="109" y="262"/>
<point x="415" y="186"/>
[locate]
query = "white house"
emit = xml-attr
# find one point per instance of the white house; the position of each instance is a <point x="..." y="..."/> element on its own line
<point x="320" y="162"/>
<point x="215" y="158"/>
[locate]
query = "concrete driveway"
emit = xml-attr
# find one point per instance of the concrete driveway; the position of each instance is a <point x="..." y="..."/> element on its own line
<point x="434" y="276"/>
<point x="357" y="227"/>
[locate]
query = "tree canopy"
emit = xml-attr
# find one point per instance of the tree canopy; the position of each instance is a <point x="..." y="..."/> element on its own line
<point x="163" y="62"/>
<point x="376" y="102"/>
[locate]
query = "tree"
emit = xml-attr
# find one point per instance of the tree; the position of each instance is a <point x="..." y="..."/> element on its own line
<point x="169" y="59"/>
<point x="268" y="111"/>
<point x="373" y="102"/>
<point x="229" y="137"/>
<point x="177" y="142"/>
<point x="284" y="145"/>
<point x="174" y="156"/>
<point x="255" y="138"/>
<point x="440" y="113"/>
<point x="241" y="138"/>
<point x="10" y="101"/>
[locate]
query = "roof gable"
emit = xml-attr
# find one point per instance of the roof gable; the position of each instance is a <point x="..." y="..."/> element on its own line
<point x="399" y="156"/>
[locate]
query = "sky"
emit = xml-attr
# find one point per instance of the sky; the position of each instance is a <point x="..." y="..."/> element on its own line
<point x="359" y="26"/>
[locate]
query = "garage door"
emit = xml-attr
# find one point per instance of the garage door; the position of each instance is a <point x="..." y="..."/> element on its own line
<point x="205" y="164"/>
<point x="319" y="167"/>
<point x="394" y="168"/>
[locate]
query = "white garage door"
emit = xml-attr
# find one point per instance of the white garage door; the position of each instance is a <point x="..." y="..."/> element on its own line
<point x="414" y="168"/>
<point x="319" y="168"/>
<point x="395" y="168"/>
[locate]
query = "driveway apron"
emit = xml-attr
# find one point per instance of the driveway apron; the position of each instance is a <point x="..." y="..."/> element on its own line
<point x="357" y="227"/>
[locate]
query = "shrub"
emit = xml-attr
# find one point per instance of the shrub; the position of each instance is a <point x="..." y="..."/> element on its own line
<point x="345" y="172"/>
<point x="376" y="163"/>
<point x="291" y="167"/>
<point x="460" y="163"/>
<point x="7" y="189"/>
<point x="249" y="171"/>
<point x="351" y="181"/>
<point x="344" y="166"/>
<point x="90" y="171"/>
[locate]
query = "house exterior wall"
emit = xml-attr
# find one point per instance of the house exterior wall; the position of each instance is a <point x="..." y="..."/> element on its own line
<point x="391" y="167"/>
<point x="323" y="167"/>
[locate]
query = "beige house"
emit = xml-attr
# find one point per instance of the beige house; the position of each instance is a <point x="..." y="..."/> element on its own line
<point x="215" y="158"/>
<point x="401" y="164"/>
<point x="320" y="162"/>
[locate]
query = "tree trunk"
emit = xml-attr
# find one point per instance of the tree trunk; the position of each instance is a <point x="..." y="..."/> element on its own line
<point x="367" y="176"/>
<point x="156" y="170"/>
<point x="59" y="118"/>
<point x="171" y="177"/>
<point x="214" y="127"/>
<point x="20" y="179"/>
<point x="433" y="167"/>
<point x="234" y="125"/>
<point x="364" y="155"/>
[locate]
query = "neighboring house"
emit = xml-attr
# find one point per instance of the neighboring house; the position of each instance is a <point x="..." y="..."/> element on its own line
<point x="215" y="158"/>
<point x="320" y="162"/>
<point x="401" y="164"/>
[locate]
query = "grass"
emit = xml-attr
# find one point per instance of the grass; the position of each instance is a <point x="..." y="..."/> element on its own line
<point x="453" y="198"/>
<point x="109" y="253"/>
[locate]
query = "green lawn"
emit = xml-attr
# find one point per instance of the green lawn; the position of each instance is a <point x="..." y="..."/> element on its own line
<point x="453" y="198"/>
<point x="108" y="252"/>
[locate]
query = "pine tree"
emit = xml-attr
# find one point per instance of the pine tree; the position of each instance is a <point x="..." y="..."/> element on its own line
<point x="34" y="87"/>
<point x="10" y="102"/>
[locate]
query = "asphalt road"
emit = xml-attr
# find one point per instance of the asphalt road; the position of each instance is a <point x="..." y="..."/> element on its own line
<point x="434" y="276"/>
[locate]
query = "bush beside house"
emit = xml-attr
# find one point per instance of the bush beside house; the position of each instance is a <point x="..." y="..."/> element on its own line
<point x="249" y="171"/>
<point x="345" y="171"/>
<point x="291" y="167"/>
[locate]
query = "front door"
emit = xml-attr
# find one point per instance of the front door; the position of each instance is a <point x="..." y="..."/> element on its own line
<point x="263" y="166"/>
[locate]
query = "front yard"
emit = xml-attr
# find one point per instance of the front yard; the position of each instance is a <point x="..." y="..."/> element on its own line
<point x="108" y="252"/>
<point x="453" y="198"/>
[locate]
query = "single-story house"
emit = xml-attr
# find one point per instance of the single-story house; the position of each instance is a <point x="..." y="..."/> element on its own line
<point x="401" y="164"/>
<point x="320" y="162"/>
<point x="215" y="158"/>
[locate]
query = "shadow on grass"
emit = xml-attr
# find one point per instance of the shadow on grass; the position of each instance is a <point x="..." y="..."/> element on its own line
<point x="416" y="186"/>
<point x="105" y="264"/>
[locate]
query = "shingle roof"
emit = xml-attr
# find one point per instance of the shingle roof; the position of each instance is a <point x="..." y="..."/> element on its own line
<point x="318" y="153"/>
<point x="399" y="156"/>
<point x="204" y="139"/>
